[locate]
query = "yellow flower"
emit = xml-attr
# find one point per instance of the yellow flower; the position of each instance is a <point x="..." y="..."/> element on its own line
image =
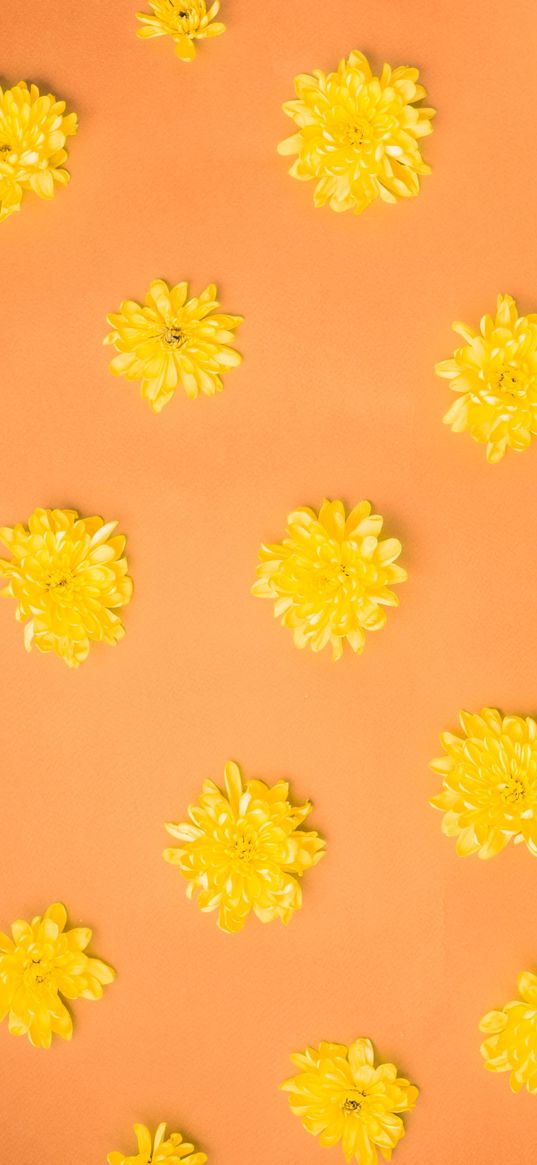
<point x="184" y="20"/>
<point x="39" y="964"/>
<point x="173" y="340"/>
<point x="33" y="132"/>
<point x="358" y="134"/>
<point x="330" y="577"/>
<point x="489" y="783"/>
<point x="162" y="1151"/>
<point x="340" y="1096"/>
<point x="245" y="850"/>
<point x="512" y="1037"/>
<point x="68" y="575"/>
<point x="495" y="374"/>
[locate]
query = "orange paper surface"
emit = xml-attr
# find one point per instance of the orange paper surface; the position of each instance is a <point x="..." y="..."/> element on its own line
<point x="175" y="175"/>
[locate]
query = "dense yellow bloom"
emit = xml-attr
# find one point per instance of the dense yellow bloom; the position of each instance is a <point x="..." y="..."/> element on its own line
<point x="244" y="850"/>
<point x="511" y="1045"/>
<point x="495" y="375"/>
<point x="489" y="783"/>
<point x="171" y="340"/>
<point x="330" y="578"/>
<point x="358" y="134"/>
<point x="341" y="1096"/>
<point x="33" y="132"/>
<point x="162" y="1150"/>
<point x="184" y="20"/>
<point x="39" y="964"/>
<point x="68" y="575"/>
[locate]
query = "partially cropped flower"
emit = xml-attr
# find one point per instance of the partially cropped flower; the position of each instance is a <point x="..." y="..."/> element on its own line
<point x="186" y="21"/>
<point x="495" y="376"/>
<point x="343" y="1098"/>
<point x="357" y="134"/>
<point x="244" y="850"/>
<point x="489" y="777"/>
<point x="162" y="1150"/>
<point x="511" y="1044"/>
<point x="40" y="963"/>
<point x="33" y="133"/>
<point x="171" y="340"/>
<point x="330" y="578"/>
<point x="69" y="577"/>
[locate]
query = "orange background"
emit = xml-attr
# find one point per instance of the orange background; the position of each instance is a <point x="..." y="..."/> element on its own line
<point x="175" y="175"/>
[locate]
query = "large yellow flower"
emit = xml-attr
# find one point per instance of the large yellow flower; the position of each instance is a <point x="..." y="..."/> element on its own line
<point x="33" y="132"/>
<point x="495" y="375"/>
<point x="39" y="964"/>
<point x="511" y="1045"/>
<point x="330" y="578"/>
<point x="358" y="134"/>
<point x="162" y="1150"/>
<point x="244" y="850"/>
<point x="69" y="576"/>
<point x="489" y="780"/>
<point x="173" y="340"/>
<point x="186" y="21"/>
<point x="341" y="1096"/>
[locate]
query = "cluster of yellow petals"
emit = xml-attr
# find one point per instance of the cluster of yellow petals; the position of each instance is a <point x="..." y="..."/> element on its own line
<point x="495" y="376"/>
<point x="39" y="963"/>
<point x="186" y="21"/>
<point x="358" y="135"/>
<point x="244" y="850"/>
<point x="489" y="777"/>
<point x="330" y="578"/>
<point x="69" y="577"/>
<point x="161" y="1150"/>
<point x="172" y="340"/>
<point x="511" y="1044"/>
<point x="341" y="1096"/>
<point x="33" y="133"/>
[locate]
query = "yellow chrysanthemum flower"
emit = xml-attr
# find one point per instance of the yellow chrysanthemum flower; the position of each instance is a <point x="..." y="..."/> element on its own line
<point x="511" y="1045"/>
<point x="173" y="340"/>
<point x="39" y="964"/>
<point x="358" y="134"/>
<point x="341" y="1096"/>
<point x="162" y="1150"/>
<point x="489" y="780"/>
<point x="186" y="21"/>
<point x="330" y="578"/>
<point x="33" y="132"/>
<point x="495" y="375"/>
<point x="245" y="850"/>
<point x="69" y="576"/>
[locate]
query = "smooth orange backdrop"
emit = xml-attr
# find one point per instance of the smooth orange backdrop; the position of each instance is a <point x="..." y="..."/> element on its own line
<point x="175" y="175"/>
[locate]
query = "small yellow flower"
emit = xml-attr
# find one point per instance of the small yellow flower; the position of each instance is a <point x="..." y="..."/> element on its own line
<point x="160" y="1151"/>
<point x="245" y="850"/>
<point x="330" y="578"/>
<point x="39" y="964"/>
<point x="358" y="134"/>
<point x="341" y="1096"/>
<point x="69" y="576"/>
<point x="495" y="375"/>
<point x="184" y="20"/>
<point x="33" y="132"/>
<point x="173" y="340"/>
<point x="511" y="1045"/>
<point x="489" y="777"/>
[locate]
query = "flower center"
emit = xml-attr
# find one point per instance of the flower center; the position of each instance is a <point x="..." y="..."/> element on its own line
<point x="36" y="971"/>
<point x="244" y="846"/>
<point x="174" y="337"/>
<point x="5" y="148"/>
<point x="353" y="1103"/>
<point x="59" y="582"/>
<point x="512" y="382"/>
<point x="514" y="790"/>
